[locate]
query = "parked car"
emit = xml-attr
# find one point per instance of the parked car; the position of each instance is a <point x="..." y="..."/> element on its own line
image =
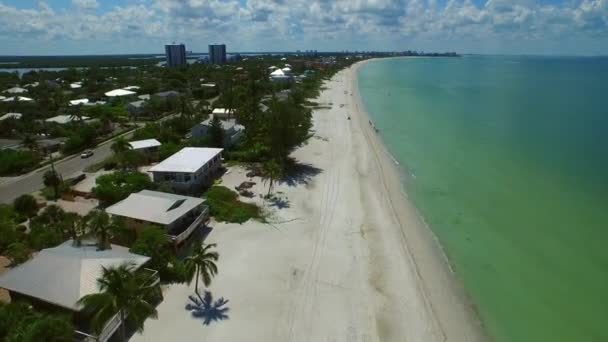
<point x="86" y="154"/>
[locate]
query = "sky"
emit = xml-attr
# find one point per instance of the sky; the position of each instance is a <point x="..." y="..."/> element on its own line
<point x="80" y="27"/>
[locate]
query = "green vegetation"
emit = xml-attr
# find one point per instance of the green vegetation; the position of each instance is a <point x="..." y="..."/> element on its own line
<point x="123" y="291"/>
<point x="115" y="187"/>
<point x="154" y="242"/>
<point x="225" y="206"/>
<point x="26" y="205"/>
<point x="17" y="162"/>
<point x="202" y="265"/>
<point x="20" y="323"/>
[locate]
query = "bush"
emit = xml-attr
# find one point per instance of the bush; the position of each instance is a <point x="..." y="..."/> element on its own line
<point x="17" y="253"/>
<point x="26" y="205"/>
<point x="117" y="186"/>
<point x="225" y="206"/>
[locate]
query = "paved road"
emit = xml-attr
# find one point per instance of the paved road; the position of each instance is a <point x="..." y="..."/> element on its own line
<point x="32" y="181"/>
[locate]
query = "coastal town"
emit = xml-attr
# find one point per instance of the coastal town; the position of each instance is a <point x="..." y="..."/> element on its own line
<point x="149" y="201"/>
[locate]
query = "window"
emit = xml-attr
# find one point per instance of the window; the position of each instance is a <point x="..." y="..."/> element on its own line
<point x="186" y="178"/>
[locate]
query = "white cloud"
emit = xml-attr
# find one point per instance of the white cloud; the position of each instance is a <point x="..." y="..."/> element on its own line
<point x="323" y="24"/>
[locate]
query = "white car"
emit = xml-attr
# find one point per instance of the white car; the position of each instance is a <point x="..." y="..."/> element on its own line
<point x="86" y="154"/>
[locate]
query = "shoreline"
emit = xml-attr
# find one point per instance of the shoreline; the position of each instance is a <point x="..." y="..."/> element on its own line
<point x="425" y="244"/>
<point x="346" y="257"/>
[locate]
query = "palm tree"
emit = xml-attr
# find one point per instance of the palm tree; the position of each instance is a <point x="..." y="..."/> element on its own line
<point x="201" y="264"/>
<point x="123" y="291"/>
<point x="120" y="145"/>
<point x="99" y="223"/>
<point x="271" y="173"/>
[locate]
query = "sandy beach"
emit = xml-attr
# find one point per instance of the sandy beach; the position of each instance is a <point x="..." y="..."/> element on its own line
<point x="345" y="256"/>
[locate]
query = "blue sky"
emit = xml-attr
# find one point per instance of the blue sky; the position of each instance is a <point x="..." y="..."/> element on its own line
<point x="571" y="27"/>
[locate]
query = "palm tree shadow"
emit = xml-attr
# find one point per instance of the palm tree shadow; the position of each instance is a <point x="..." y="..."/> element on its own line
<point x="207" y="309"/>
<point x="299" y="173"/>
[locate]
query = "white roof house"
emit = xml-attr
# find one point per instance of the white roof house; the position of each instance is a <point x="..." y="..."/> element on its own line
<point x="155" y="207"/>
<point x="272" y="67"/>
<point x="11" y="116"/>
<point x="221" y="112"/>
<point x="62" y="275"/>
<point x="16" y="90"/>
<point x="131" y="88"/>
<point x="79" y="102"/>
<point x="286" y="70"/>
<point x="208" y="85"/>
<point x="141" y="144"/>
<point x="187" y="160"/>
<point x="2" y="97"/>
<point x="18" y="99"/>
<point x="119" y="92"/>
<point x="277" y="73"/>
<point x="76" y="85"/>
<point x="64" y="119"/>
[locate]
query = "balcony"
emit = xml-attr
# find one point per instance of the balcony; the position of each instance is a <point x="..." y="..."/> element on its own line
<point x="180" y="234"/>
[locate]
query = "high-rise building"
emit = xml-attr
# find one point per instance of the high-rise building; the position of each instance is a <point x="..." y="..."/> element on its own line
<point x="217" y="53"/>
<point x="176" y="54"/>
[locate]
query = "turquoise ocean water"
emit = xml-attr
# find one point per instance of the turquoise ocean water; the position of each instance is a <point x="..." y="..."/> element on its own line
<point x="507" y="160"/>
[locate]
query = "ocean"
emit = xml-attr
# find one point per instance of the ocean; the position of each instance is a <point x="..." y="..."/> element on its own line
<point x="507" y="160"/>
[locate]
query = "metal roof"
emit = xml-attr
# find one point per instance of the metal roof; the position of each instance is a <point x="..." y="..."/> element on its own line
<point x="119" y="92"/>
<point x="64" y="274"/>
<point x="155" y="207"/>
<point x="188" y="159"/>
<point x="139" y="144"/>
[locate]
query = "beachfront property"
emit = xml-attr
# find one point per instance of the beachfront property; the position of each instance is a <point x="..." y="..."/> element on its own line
<point x="65" y="119"/>
<point x="179" y="216"/>
<point x="15" y="116"/>
<point x="190" y="169"/>
<point x="56" y="278"/>
<point x="232" y="130"/>
<point x="281" y="75"/>
<point x="16" y="90"/>
<point x="149" y="147"/>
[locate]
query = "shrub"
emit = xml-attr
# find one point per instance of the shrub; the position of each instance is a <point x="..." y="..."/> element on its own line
<point x="26" y="205"/>
<point x="117" y="186"/>
<point x="225" y="206"/>
<point x="16" y="162"/>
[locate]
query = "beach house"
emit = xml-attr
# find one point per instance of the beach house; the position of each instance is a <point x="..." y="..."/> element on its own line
<point x="148" y="147"/>
<point x="56" y="278"/>
<point x="190" y="169"/>
<point x="179" y="216"/>
<point x="232" y="130"/>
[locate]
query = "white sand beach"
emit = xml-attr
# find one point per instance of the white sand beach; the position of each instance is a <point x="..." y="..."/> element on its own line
<point x="347" y="259"/>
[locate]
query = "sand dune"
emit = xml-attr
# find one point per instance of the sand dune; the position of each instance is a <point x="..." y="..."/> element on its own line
<point x="346" y="258"/>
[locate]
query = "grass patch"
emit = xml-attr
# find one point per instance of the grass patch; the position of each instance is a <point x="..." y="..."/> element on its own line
<point x="225" y="206"/>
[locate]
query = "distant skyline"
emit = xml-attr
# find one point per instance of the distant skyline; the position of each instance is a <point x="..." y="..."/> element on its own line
<point x="80" y="27"/>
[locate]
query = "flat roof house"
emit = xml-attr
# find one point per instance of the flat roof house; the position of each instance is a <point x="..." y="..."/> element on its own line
<point x="190" y="169"/>
<point x="58" y="277"/>
<point x="148" y="147"/>
<point x="179" y="216"/>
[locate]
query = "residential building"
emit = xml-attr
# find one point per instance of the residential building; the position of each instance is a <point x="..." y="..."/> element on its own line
<point x="17" y="98"/>
<point x="180" y="216"/>
<point x="79" y="102"/>
<point x="232" y="131"/>
<point x="190" y="169"/>
<point x="65" y="119"/>
<point x="149" y="147"/>
<point x="222" y="113"/>
<point x="136" y="108"/>
<point x="281" y="75"/>
<point x="217" y="53"/>
<point x="167" y="95"/>
<point x="15" y="116"/>
<point x="16" y="90"/>
<point x="119" y="93"/>
<point x="56" y="278"/>
<point x="175" y="54"/>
